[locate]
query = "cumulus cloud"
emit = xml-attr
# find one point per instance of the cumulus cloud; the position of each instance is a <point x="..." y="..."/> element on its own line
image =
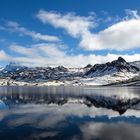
<point x="49" y="54"/>
<point x="73" y="24"/>
<point x="15" y="27"/>
<point x="120" y="36"/>
<point x="38" y="54"/>
<point x="3" y="55"/>
<point x="123" y="35"/>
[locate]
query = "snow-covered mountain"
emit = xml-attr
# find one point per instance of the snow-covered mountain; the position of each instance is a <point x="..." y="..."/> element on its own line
<point x="136" y="63"/>
<point x="119" y="65"/>
<point x="13" y="67"/>
<point x="117" y="71"/>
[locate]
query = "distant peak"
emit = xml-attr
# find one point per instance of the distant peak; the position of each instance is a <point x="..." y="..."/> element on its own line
<point x="120" y="59"/>
<point x="88" y="66"/>
<point x="14" y="64"/>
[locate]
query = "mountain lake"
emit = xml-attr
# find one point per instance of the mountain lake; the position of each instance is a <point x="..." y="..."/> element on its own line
<point x="69" y="113"/>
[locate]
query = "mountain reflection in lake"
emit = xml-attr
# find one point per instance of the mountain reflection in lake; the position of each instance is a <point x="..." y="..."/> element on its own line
<point x="69" y="113"/>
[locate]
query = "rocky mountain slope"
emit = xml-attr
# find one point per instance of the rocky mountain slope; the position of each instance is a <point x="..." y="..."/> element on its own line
<point x="117" y="71"/>
<point x="119" y="65"/>
<point x="136" y="63"/>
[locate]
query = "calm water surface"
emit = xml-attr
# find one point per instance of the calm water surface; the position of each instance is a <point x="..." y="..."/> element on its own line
<point x="69" y="113"/>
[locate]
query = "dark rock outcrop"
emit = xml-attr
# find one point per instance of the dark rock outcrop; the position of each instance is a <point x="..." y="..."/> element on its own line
<point x="119" y="65"/>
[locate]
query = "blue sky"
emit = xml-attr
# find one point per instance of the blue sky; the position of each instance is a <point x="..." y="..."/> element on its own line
<point x="68" y="32"/>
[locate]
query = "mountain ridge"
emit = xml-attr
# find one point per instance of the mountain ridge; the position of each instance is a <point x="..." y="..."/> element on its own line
<point x="99" y="74"/>
<point x="118" y="65"/>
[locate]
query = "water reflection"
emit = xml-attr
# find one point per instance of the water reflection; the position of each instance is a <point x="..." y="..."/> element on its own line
<point x="111" y="131"/>
<point x="33" y="113"/>
<point x="122" y="92"/>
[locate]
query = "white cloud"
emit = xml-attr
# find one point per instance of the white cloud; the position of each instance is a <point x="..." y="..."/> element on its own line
<point x="39" y="54"/>
<point x="131" y="14"/>
<point x="3" y="55"/>
<point x="122" y="35"/>
<point x="15" y="27"/>
<point x="73" y="24"/>
<point x="53" y="55"/>
<point x="23" y="50"/>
